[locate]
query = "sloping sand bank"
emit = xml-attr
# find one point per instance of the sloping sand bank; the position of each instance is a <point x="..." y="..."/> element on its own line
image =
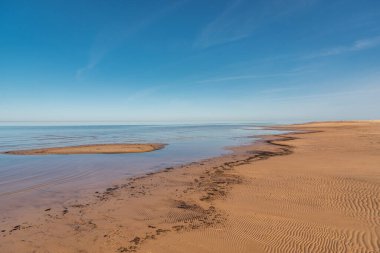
<point x="311" y="191"/>
<point x="91" y="149"/>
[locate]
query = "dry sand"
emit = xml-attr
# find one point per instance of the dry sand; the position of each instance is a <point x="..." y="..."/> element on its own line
<point x="91" y="149"/>
<point x="319" y="191"/>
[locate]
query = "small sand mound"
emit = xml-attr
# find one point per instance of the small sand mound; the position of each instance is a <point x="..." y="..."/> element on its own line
<point x="91" y="149"/>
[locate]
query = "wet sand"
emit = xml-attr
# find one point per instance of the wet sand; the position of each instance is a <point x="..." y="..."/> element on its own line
<point x="91" y="149"/>
<point x="314" y="190"/>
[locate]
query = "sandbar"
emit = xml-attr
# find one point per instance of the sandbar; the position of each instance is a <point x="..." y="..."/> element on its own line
<point x="91" y="149"/>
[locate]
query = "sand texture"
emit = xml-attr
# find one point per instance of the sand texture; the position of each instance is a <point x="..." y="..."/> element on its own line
<point x="316" y="190"/>
<point x="91" y="149"/>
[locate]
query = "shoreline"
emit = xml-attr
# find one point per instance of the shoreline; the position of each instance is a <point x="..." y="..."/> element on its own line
<point x="130" y="184"/>
<point x="170" y="202"/>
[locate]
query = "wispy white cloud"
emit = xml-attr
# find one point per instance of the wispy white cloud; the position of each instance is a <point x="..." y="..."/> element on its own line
<point x="115" y="34"/>
<point x="234" y="78"/>
<point x="339" y="94"/>
<point x="358" y="45"/>
<point x="228" y="78"/>
<point x="295" y="72"/>
<point x="280" y="90"/>
<point x="242" y="17"/>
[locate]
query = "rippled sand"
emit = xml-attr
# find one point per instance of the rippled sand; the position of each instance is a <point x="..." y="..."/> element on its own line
<point x="315" y="191"/>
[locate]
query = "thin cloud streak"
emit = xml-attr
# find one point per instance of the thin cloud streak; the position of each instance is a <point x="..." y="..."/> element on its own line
<point x="341" y="94"/>
<point x="246" y="77"/>
<point x="280" y="90"/>
<point x="145" y="93"/>
<point x="358" y="45"/>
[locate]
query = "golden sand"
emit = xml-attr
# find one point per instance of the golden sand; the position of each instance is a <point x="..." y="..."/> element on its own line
<point x="315" y="191"/>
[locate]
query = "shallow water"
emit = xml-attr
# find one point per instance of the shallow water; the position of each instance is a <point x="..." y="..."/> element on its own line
<point x="40" y="181"/>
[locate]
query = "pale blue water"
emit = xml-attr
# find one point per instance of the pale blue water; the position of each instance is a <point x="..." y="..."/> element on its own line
<point x="62" y="177"/>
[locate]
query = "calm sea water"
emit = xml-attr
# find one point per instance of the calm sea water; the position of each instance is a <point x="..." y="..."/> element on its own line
<point x="40" y="180"/>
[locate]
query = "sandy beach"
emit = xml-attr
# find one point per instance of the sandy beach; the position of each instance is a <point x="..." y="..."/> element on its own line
<point x="91" y="149"/>
<point x="316" y="189"/>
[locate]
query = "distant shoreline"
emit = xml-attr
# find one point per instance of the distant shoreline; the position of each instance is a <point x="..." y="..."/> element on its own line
<point x="91" y="149"/>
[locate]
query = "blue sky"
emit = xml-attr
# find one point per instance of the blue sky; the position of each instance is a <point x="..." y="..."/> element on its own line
<point x="190" y="60"/>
